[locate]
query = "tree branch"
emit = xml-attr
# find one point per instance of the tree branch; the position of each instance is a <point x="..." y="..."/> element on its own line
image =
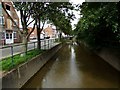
<point x="28" y="18"/>
<point x="20" y="32"/>
<point x="31" y="30"/>
<point x="30" y="22"/>
<point x="21" y="15"/>
<point x="43" y="25"/>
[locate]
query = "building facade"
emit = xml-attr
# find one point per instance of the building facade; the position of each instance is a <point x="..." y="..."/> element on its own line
<point x="48" y="32"/>
<point x="8" y="31"/>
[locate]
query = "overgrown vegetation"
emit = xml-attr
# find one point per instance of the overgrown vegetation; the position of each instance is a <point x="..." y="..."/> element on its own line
<point x="99" y="25"/>
<point x="6" y="64"/>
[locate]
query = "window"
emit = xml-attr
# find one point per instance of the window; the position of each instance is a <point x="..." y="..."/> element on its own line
<point x="0" y="9"/>
<point x="8" y="7"/>
<point x="10" y="35"/>
<point x="7" y="36"/>
<point x="1" y="20"/>
<point x="15" y="35"/>
<point x="0" y="6"/>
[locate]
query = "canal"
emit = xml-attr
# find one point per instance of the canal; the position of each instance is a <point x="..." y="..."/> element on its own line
<point x="75" y="67"/>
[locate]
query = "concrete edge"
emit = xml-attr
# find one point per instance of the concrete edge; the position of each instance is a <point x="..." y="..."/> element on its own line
<point x="16" y="78"/>
<point x="110" y="58"/>
<point x="107" y="58"/>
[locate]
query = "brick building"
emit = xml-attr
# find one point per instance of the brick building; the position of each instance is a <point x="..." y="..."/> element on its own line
<point x="8" y="30"/>
<point x="47" y="32"/>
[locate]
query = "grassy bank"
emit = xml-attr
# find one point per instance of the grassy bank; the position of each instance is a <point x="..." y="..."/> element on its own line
<point x="6" y="64"/>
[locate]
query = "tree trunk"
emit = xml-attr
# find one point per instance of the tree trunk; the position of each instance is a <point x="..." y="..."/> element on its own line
<point x="24" y="41"/>
<point x="60" y="36"/>
<point x="38" y="39"/>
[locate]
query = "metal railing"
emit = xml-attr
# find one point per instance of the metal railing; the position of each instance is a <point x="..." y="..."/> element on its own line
<point x="14" y="49"/>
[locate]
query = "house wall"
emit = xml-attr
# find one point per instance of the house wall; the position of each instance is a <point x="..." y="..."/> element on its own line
<point x="33" y="34"/>
<point x="50" y="32"/>
<point x="13" y="15"/>
<point x="9" y="27"/>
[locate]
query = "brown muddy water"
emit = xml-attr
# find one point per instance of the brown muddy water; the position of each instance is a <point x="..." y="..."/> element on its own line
<point x="75" y="67"/>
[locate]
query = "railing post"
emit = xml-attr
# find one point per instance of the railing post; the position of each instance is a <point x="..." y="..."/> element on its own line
<point x="44" y="44"/>
<point x="34" y="45"/>
<point x="48" y="43"/>
<point x="12" y="55"/>
<point x="51" y="43"/>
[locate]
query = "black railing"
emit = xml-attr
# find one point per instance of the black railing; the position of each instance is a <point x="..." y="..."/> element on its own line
<point x="14" y="49"/>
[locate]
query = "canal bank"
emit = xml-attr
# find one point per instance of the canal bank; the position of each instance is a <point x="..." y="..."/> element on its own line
<point x="19" y="76"/>
<point x="110" y="55"/>
<point x="75" y="67"/>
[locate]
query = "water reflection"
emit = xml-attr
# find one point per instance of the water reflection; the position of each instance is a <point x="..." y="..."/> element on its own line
<point x="75" y="67"/>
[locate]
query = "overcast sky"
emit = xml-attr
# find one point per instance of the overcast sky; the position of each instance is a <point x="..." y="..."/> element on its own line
<point x="75" y="12"/>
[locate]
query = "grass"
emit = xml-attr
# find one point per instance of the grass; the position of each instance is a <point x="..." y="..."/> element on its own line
<point x="6" y="64"/>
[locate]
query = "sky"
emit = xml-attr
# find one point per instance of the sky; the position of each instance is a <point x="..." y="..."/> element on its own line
<point x="75" y="12"/>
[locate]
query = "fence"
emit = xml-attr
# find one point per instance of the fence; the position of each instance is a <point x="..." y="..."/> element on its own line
<point x="11" y="50"/>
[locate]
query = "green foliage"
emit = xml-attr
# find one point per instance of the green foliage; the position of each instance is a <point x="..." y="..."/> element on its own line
<point x="57" y="13"/>
<point x="6" y="64"/>
<point x="98" y="25"/>
<point x="60" y="15"/>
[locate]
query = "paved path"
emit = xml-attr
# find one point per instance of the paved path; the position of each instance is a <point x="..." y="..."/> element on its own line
<point x="6" y="52"/>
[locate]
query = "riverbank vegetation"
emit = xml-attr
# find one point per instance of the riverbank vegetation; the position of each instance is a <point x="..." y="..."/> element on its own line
<point x="99" y="25"/>
<point x="9" y="63"/>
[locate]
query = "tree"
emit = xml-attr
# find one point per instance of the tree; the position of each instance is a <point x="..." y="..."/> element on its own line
<point x="98" y="24"/>
<point x="62" y="18"/>
<point x="25" y="12"/>
<point x="47" y="11"/>
<point x="39" y="12"/>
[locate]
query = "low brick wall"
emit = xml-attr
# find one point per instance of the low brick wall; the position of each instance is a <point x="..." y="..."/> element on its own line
<point x="19" y="76"/>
